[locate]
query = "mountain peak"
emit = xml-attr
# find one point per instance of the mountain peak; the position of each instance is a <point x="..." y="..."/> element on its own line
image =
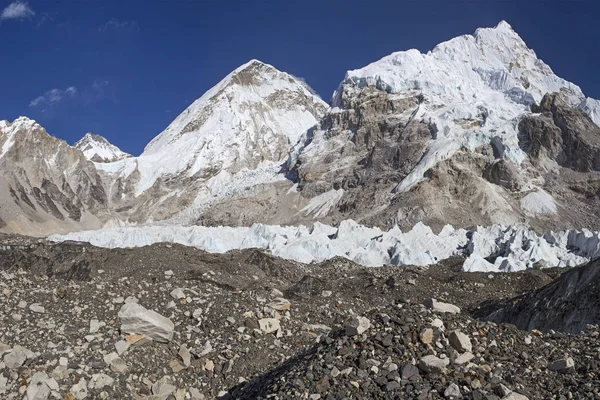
<point x="98" y="149"/>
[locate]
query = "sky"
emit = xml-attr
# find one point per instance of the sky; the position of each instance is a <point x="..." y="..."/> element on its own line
<point x="126" y="69"/>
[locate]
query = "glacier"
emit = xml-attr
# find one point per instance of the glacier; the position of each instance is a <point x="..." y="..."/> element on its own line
<point x="494" y="248"/>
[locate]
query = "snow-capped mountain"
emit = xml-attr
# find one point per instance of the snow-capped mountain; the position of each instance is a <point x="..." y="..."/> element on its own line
<point x="478" y="131"/>
<point x="96" y="148"/>
<point x="449" y="136"/>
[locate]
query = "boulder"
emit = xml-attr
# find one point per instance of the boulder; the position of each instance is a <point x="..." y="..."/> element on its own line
<point x="357" y="325"/>
<point x="136" y="319"/>
<point x="460" y="342"/>
<point x="433" y="365"/>
<point x="435" y="305"/>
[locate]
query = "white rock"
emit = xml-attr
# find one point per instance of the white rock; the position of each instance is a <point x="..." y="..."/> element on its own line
<point x="37" y="308"/>
<point x="137" y="319"/>
<point x="460" y="341"/>
<point x="38" y="389"/>
<point x="515" y="396"/>
<point x="95" y="325"/>
<point x="178" y="294"/>
<point x="99" y="381"/>
<point x="435" y="305"/>
<point x="80" y="389"/>
<point x="122" y="346"/>
<point x="269" y="325"/>
<point x="464" y="358"/>
<point x="162" y="389"/>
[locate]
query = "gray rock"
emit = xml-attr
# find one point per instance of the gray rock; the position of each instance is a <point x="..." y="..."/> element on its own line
<point x="452" y="392"/>
<point x="137" y="319"/>
<point x="162" y="389"/>
<point x="357" y="325"/>
<point x="564" y="365"/>
<point x="433" y="365"/>
<point x="460" y="342"/>
<point x="185" y="355"/>
<point x="37" y="308"/>
<point x="15" y="358"/>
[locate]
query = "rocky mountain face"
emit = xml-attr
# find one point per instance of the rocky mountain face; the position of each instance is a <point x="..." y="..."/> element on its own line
<point x="98" y="149"/>
<point x="478" y="131"/>
<point x="447" y="137"/>
<point x="46" y="185"/>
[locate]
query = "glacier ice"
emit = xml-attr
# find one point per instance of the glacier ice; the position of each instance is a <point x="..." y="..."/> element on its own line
<point x="494" y="248"/>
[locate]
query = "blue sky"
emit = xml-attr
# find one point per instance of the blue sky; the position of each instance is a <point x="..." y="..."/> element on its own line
<point x="125" y="69"/>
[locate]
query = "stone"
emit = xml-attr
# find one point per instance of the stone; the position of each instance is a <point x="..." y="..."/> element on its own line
<point x="162" y="389"/>
<point x="515" y="396"/>
<point x="137" y="319"/>
<point x="99" y="381"/>
<point x="357" y="325"/>
<point x="435" y="305"/>
<point x="116" y="363"/>
<point x="178" y="294"/>
<point x="464" y="358"/>
<point x="176" y="366"/>
<point x="460" y="342"/>
<point x="95" y="325"/>
<point x="269" y="325"/>
<point x="38" y="389"/>
<point x="195" y="394"/>
<point x="15" y="358"/>
<point x="279" y="304"/>
<point x="563" y="366"/>
<point x="452" y="392"/>
<point x="185" y="355"/>
<point x="433" y="365"/>
<point x="427" y="336"/>
<point x="326" y="293"/>
<point x="80" y="389"/>
<point x="122" y="346"/>
<point x="408" y="371"/>
<point x="37" y="308"/>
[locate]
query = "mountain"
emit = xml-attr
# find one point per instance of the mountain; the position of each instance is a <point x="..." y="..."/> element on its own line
<point x="46" y="185"/>
<point x="98" y="149"/>
<point x="477" y="131"/>
<point x="449" y="136"/>
<point x="235" y="136"/>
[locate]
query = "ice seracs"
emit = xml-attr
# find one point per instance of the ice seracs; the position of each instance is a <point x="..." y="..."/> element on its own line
<point x="487" y="249"/>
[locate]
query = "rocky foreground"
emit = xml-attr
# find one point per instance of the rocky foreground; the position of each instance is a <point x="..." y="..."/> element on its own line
<point x="171" y="322"/>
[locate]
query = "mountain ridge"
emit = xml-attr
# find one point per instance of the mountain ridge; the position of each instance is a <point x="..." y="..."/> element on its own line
<point x="437" y="137"/>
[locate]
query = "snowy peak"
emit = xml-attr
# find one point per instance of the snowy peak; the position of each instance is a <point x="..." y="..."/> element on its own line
<point x="474" y="88"/>
<point x="96" y="148"/>
<point x="253" y="116"/>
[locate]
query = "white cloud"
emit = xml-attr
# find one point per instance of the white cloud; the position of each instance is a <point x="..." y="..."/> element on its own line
<point x="116" y="24"/>
<point x="17" y="10"/>
<point x="53" y="96"/>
